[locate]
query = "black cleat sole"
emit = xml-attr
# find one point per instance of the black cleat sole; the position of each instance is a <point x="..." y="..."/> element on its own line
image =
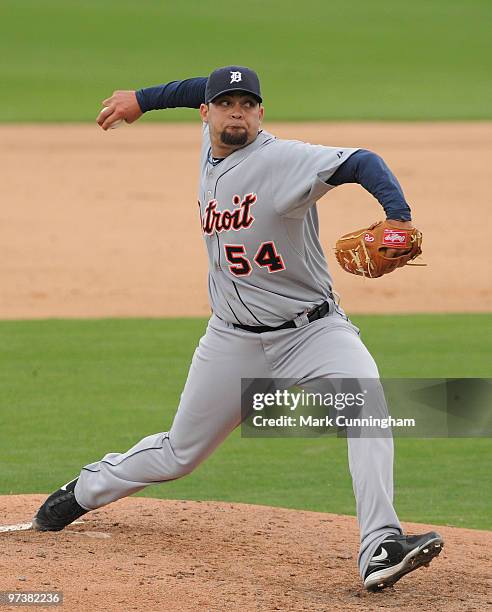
<point x="39" y="526"/>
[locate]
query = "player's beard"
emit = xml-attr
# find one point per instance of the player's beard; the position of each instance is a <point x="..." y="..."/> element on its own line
<point x="235" y="137"/>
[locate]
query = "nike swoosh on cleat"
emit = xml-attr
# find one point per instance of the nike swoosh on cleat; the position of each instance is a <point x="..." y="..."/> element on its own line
<point x="382" y="556"/>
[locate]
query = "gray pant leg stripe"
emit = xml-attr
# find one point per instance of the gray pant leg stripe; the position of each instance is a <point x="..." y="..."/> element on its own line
<point x="143" y="450"/>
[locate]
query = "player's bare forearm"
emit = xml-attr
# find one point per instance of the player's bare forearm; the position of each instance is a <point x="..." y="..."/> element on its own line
<point x="122" y="104"/>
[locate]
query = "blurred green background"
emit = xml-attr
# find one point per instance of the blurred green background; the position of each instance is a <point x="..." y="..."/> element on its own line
<point x="73" y="391"/>
<point x="318" y="60"/>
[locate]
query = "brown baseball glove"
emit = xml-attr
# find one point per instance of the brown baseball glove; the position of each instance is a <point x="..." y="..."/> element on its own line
<point x="364" y="252"/>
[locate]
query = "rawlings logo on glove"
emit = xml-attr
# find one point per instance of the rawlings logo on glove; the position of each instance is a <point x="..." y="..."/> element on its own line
<point x="364" y="252"/>
<point x="395" y="237"/>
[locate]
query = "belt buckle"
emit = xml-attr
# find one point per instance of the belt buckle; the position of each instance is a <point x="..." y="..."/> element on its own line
<point x="302" y="319"/>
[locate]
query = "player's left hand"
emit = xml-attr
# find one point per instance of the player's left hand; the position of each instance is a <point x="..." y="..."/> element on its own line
<point x="379" y="249"/>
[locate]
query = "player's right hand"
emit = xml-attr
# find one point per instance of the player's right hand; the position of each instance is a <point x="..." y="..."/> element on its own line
<point x="121" y="105"/>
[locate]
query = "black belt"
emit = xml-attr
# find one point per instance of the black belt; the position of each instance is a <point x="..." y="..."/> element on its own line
<point x="313" y="315"/>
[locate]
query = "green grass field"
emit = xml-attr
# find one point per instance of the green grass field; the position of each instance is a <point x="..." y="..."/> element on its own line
<point x="74" y="390"/>
<point x="319" y="60"/>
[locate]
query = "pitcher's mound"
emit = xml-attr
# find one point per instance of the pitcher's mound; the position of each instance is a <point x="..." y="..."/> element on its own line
<point x="149" y="554"/>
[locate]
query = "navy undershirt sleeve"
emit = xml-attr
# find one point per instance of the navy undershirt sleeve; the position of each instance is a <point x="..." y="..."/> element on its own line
<point x="369" y="170"/>
<point x="189" y="93"/>
<point x="362" y="167"/>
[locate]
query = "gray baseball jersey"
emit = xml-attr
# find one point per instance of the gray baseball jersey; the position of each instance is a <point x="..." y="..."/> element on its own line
<point x="260" y="224"/>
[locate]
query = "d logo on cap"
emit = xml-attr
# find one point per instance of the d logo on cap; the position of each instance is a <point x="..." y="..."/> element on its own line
<point x="232" y="78"/>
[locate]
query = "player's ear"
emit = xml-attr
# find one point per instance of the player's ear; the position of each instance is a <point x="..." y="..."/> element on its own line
<point x="204" y="112"/>
<point x="261" y="112"/>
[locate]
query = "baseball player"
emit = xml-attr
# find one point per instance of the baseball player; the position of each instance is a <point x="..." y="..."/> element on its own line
<point x="273" y="310"/>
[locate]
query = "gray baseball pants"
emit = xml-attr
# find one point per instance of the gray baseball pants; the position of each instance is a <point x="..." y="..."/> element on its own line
<point x="210" y="408"/>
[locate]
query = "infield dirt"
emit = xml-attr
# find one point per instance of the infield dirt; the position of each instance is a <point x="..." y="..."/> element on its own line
<point x="147" y="554"/>
<point x="97" y="224"/>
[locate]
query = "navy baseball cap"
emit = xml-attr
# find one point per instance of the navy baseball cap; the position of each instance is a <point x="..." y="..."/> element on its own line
<point x="232" y="78"/>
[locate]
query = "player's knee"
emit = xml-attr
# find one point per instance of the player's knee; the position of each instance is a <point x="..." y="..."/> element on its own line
<point x="185" y="465"/>
<point x="183" y="470"/>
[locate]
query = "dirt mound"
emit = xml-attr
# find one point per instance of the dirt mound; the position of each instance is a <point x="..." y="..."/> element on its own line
<point x="148" y="554"/>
